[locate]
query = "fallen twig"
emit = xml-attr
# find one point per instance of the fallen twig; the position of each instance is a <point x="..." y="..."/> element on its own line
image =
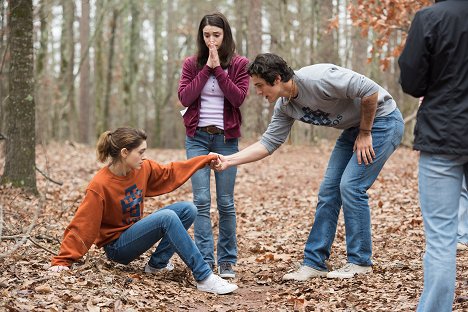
<point x="15" y="237"/>
<point x="48" y="178"/>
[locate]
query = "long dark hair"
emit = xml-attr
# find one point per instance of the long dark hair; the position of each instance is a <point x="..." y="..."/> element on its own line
<point x="228" y="46"/>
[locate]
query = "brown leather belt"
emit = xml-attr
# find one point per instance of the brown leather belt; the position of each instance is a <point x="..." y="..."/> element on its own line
<point x="211" y="130"/>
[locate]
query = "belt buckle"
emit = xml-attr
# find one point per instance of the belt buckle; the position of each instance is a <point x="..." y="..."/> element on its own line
<point x="210" y="128"/>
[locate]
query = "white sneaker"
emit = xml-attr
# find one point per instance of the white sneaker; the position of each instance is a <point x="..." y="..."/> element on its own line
<point x="349" y="270"/>
<point x="216" y="285"/>
<point x="149" y="269"/>
<point x="303" y="274"/>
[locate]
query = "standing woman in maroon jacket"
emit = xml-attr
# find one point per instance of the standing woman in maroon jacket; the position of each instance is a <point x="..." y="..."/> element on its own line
<point x="213" y="86"/>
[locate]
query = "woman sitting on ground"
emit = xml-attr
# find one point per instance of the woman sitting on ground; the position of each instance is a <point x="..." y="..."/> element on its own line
<point x="110" y="215"/>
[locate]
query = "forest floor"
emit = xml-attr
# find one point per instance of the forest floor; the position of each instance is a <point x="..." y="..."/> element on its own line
<point x="275" y="202"/>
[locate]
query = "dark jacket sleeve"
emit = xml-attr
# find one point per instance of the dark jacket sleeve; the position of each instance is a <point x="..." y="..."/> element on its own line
<point x="415" y="59"/>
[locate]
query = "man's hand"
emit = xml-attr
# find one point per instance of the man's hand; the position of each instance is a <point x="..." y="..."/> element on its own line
<point x="58" y="268"/>
<point x="363" y="148"/>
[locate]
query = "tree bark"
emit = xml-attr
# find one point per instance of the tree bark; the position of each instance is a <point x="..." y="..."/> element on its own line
<point x="67" y="117"/>
<point x="110" y="65"/>
<point x="4" y="41"/>
<point x="20" y="155"/>
<point x="84" y="74"/>
<point x="253" y="108"/>
<point x="131" y="67"/>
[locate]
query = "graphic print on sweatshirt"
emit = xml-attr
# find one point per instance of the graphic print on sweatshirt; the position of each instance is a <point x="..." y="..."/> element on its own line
<point x="319" y="118"/>
<point x="131" y="204"/>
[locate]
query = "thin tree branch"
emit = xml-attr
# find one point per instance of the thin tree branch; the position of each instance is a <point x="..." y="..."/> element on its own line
<point x="48" y="178"/>
<point x="15" y="237"/>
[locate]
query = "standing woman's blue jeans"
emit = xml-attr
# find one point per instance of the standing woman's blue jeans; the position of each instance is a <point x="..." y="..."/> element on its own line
<point x="440" y="185"/>
<point x="345" y="184"/>
<point x="169" y="225"/>
<point x="463" y="215"/>
<point x="202" y="144"/>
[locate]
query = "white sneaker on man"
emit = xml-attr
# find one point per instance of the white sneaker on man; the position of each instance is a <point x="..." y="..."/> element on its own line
<point x="149" y="269"/>
<point x="216" y="285"/>
<point x="304" y="273"/>
<point x="462" y="246"/>
<point x="349" y="270"/>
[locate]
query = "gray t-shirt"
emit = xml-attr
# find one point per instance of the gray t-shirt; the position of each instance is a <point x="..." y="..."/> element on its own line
<point x="329" y="95"/>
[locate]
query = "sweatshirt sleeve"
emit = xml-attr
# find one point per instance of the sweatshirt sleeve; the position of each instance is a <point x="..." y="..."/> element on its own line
<point x="191" y="83"/>
<point x="278" y="129"/>
<point x="234" y="89"/>
<point x="342" y="83"/>
<point x="166" y="178"/>
<point x="415" y="59"/>
<point x="82" y="230"/>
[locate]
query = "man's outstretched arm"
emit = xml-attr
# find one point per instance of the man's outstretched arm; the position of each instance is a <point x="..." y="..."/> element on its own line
<point x="249" y="154"/>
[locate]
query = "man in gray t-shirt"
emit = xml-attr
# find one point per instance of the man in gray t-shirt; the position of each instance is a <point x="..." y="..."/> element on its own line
<point x="332" y="96"/>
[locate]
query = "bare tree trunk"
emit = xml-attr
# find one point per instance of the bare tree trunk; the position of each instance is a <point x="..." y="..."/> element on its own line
<point x="42" y="93"/>
<point x="327" y="42"/>
<point x="20" y="155"/>
<point x="84" y="124"/>
<point x="240" y="23"/>
<point x="4" y="41"/>
<point x="99" y="77"/>
<point x="67" y="115"/>
<point x="158" y="79"/>
<point x="253" y="109"/>
<point x="131" y="67"/>
<point x="110" y="65"/>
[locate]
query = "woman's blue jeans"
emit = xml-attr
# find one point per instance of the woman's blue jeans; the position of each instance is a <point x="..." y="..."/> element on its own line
<point x="440" y="185"/>
<point x="463" y="215"/>
<point x="169" y="225"/>
<point x="202" y="144"/>
<point x="345" y="184"/>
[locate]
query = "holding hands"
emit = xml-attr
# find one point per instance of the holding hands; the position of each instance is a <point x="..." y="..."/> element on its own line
<point x="220" y="163"/>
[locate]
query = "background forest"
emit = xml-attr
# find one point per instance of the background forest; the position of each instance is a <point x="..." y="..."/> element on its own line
<point x="107" y="63"/>
<point x="70" y="69"/>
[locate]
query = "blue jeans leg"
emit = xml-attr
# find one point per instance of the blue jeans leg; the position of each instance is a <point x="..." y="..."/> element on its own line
<point x="169" y="224"/>
<point x="345" y="184"/>
<point x="463" y="215"/>
<point x="202" y="144"/>
<point x="440" y="185"/>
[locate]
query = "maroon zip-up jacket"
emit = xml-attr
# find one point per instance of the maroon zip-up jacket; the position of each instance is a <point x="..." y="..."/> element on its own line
<point x="234" y="84"/>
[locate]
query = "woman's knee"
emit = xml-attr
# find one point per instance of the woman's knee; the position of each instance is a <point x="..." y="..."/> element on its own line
<point x="167" y="215"/>
<point x="202" y="198"/>
<point x="226" y="204"/>
<point x="190" y="210"/>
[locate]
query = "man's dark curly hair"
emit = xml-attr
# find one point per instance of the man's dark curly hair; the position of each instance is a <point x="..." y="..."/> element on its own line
<point x="268" y="66"/>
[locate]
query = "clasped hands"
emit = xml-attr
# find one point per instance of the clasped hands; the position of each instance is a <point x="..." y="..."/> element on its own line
<point x="220" y="163"/>
<point x="213" y="57"/>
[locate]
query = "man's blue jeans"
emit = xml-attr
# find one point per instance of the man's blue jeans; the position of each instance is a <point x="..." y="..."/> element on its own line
<point x="169" y="225"/>
<point x="202" y="144"/>
<point x="440" y="186"/>
<point x="345" y="184"/>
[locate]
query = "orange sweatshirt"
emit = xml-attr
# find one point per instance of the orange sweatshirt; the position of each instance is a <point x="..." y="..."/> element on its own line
<point x="113" y="203"/>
